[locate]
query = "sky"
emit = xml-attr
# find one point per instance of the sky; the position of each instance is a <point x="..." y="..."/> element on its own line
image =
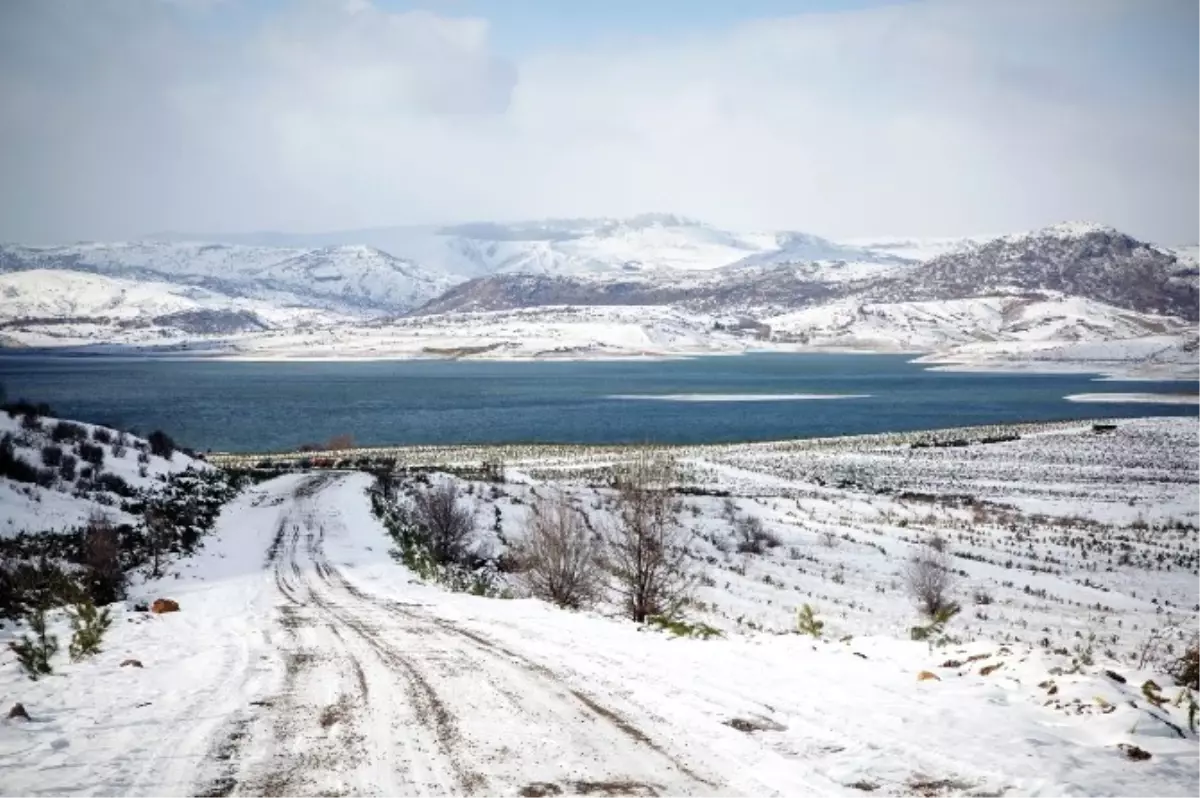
<point x="120" y="118"/>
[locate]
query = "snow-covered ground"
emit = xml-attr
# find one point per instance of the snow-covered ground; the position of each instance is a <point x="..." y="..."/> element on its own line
<point x="306" y="660"/>
<point x="66" y="499"/>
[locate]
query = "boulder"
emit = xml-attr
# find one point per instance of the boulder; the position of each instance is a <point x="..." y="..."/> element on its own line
<point x="164" y="605"/>
<point x="131" y="662"/>
<point x="17" y="712"/>
<point x="1133" y="752"/>
<point x="925" y="676"/>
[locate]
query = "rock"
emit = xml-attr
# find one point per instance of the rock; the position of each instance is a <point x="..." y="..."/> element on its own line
<point x="925" y="676"/>
<point x="141" y="606"/>
<point x="989" y="669"/>
<point x="135" y="663"/>
<point x="1116" y="677"/>
<point x="18" y="712"/>
<point x="952" y="663"/>
<point x="1133" y="752"/>
<point x="164" y="605"/>
<point x="860" y="654"/>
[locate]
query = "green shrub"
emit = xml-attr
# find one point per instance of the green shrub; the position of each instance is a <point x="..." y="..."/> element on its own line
<point x="681" y="628"/>
<point x="936" y="625"/>
<point x="88" y="625"/>
<point x="34" y="653"/>
<point x="807" y="623"/>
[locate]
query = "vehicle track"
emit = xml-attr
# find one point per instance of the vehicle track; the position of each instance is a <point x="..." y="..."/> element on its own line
<point x="380" y="697"/>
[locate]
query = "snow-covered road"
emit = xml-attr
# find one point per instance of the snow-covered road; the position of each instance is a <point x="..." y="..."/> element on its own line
<point x="382" y="697"/>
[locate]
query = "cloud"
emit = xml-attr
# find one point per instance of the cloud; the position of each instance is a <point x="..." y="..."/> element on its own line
<point x="126" y="116"/>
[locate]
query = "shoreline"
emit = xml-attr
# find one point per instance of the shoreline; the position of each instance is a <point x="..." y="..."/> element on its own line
<point x="565" y="449"/>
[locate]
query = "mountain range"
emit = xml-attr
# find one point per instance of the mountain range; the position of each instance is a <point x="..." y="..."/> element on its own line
<point x="424" y="291"/>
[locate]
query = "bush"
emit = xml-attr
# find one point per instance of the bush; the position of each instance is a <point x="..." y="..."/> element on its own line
<point x="66" y="468"/>
<point x="681" y="628"/>
<point x="560" y="558"/>
<point x="114" y="484"/>
<point x="1185" y="669"/>
<point x="444" y="523"/>
<point x="34" y="653"/>
<point x="101" y="435"/>
<point x="24" y="407"/>
<point x="92" y="453"/>
<point x="11" y="465"/>
<point x="52" y="455"/>
<point x="104" y="580"/>
<point x="68" y="431"/>
<point x="88" y="626"/>
<point x="161" y="444"/>
<point x="752" y="537"/>
<point x="929" y="578"/>
<point x="31" y="422"/>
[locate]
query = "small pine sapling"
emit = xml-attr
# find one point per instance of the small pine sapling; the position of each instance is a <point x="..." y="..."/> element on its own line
<point x="34" y="653"/>
<point x="807" y="623"/>
<point x="937" y="624"/>
<point x="88" y="625"/>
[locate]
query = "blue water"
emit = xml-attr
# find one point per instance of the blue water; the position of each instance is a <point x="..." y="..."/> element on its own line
<point x="270" y="406"/>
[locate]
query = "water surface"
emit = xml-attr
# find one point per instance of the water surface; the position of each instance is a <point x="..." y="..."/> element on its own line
<point x="254" y="406"/>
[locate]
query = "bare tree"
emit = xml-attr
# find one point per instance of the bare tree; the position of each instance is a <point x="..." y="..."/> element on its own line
<point x="445" y="522"/>
<point x="930" y="579"/>
<point x="158" y="529"/>
<point x="105" y="580"/>
<point x="560" y="557"/>
<point x="645" y="551"/>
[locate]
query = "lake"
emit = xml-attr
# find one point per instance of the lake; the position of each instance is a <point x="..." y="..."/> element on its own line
<point x="242" y="406"/>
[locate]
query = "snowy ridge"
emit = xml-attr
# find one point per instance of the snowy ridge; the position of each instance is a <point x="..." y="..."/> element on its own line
<point x="344" y="278"/>
<point x="48" y="307"/>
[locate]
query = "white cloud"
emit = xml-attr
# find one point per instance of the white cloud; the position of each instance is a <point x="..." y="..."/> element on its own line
<point x="939" y="117"/>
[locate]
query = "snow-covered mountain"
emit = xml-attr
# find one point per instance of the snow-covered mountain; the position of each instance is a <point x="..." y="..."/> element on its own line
<point x="54" y="307"/>
<point x="354" y="279"/>
<point x="1085" y="260"/>
<point x="647" y="244"/>
<point x="1067" y="284"/>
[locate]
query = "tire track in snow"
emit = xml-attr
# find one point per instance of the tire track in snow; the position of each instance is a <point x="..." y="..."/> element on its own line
<point x="472" y="646"/>
<point x="491" y="647"/>
<point x="425" y="707"/>
<point x="320" y="650"/>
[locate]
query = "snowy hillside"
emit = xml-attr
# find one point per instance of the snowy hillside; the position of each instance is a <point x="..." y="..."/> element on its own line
<point x="73" y="470"/>
<point x="46" y="307"/>
<point x="793" y="247"/>
<point x="925" y="326"/>
<point x="544" y="332"/>
<point x="917" y="249"/>
<point x="345" y="278"/>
